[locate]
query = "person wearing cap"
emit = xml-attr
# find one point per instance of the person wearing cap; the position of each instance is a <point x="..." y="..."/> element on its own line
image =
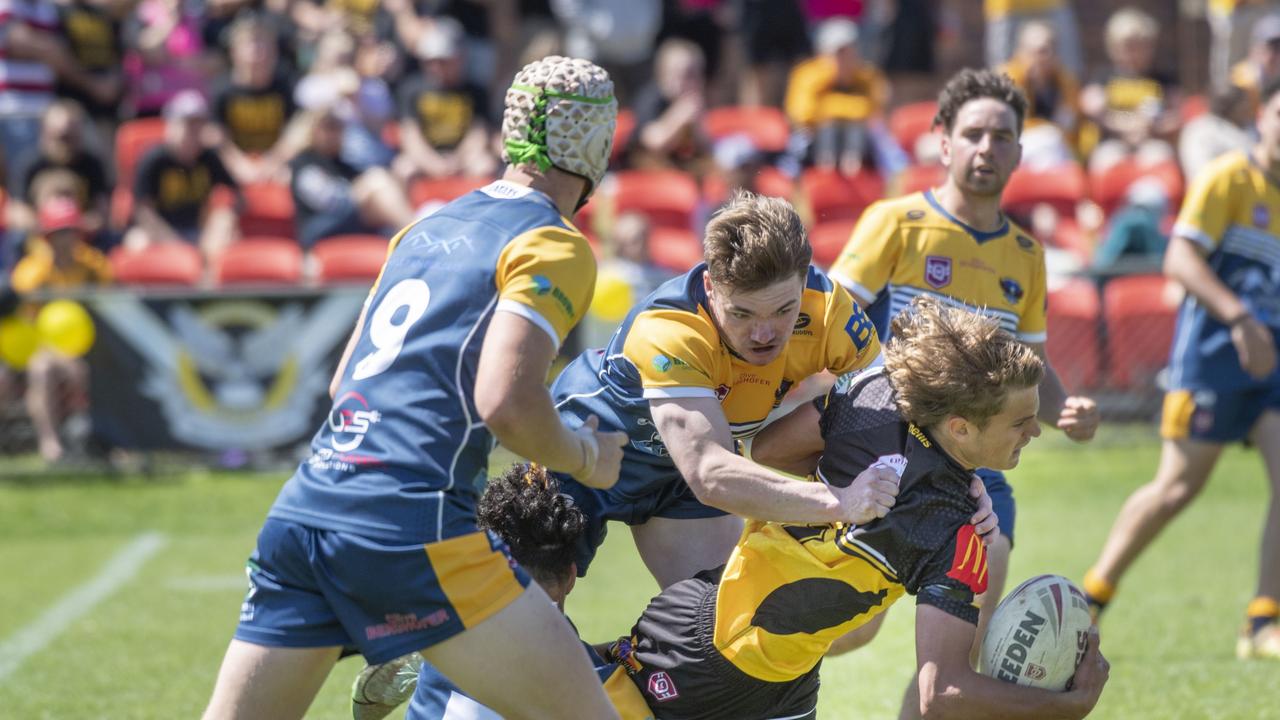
<point x="61" y="259"/>
<point x="253" y="108"/>
<point x="833" y="97"/>
<point x="373" y="543"/>
<point x="1230" y="25"/>
<point x="173" y="188"/>
<point x="444" y="127"/>
<point x="1262" y="65"/>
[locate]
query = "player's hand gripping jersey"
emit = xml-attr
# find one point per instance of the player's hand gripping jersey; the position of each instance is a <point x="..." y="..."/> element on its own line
<point x="1233" y="212"/>
<point x="910" y="246"/>
<point x="403" y="446"/>
<point x="668" y="347"/>
<point x="788" y="591"/>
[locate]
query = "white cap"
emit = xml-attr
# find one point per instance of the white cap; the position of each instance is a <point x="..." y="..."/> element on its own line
<point x="441" y="40"/>
<point x="834" y="34"/>
<point x="561" y="112"/>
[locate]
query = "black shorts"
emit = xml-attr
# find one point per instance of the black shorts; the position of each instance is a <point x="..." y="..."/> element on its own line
<point x="683" y="677"/>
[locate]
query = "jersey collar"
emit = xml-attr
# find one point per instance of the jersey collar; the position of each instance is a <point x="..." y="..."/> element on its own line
<point x="974" y="233"/>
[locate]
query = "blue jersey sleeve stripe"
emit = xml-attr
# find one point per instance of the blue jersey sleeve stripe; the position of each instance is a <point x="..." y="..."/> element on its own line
<point x="528" y="313"/>
<point x="861" y="293"/>
<point x="816" y="280"/>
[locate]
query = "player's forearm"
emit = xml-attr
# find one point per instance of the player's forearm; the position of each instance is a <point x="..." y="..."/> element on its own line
<point x="1053" y="396"/>
<point x="964" y="693"/>
<point x="737" y="485"/>
<point x="1183" y="263"/>
<point x="527" y="424"/>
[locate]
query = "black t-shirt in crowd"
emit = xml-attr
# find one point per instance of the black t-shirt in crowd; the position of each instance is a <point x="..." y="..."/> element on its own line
<point x="321" y="186"/>
<point x="88" y="172"/>
<point x="254" y="118"/>
<point x="179" y="192"/>
<point x="96" y="41"/>
<point x="443" y="114"/>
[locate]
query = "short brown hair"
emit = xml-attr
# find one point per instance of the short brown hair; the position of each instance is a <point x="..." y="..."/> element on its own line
<point x="755" y="241"/>
<point x="945" y="361"/>
<point x="970" y="84"/>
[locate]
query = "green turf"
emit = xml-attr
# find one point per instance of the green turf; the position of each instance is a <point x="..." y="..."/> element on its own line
<point x="151" y="650"/>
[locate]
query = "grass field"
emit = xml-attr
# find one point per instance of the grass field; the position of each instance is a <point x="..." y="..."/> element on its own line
<point x="121" y="595"/>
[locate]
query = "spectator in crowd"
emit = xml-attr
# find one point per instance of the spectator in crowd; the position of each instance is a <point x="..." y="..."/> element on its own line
<point x="173" y="191"/>
<point x="58" y="166"/>
<point x="165" y="56"/>
<point x="1135" y="232"/>
<point x="1053" y="109"/>
<point x="334" y="198"/>
<point x="774" y="37"/>
<point x="1006" y="18"/>
<point x="57" y="386"/>
<point x="444" y="128"/>
<point x="34" y="59"/>
<point x="1134" y="105"/>
<point x="363" y="102"/>
<point x="617" y="34"/>
<point x="94" y="33"/>
<point x="254" y="107"/>
<point x="1216" y="132"/>
<point x="631" y="261"/>
<point x="1263" y="62"/>
<point x="1230" y="22"/>
<point x="669" y="111"/>
<point x="834" y="97"/>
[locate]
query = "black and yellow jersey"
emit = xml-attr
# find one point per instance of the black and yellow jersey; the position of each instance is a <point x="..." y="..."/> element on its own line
<point x="789" y="591"/>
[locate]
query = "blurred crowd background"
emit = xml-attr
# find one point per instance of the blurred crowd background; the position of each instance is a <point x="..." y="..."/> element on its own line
<point x="242" y="147"/>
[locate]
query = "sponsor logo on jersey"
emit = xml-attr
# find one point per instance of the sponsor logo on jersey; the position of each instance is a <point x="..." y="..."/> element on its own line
<point x="802" y="322"/>
<point x="1261" y="216"/>
<point x="1025" y="242"/>
<point x="399" y="623"/>
<point x="896" y="462"/>
<point x="976" y="264"/>
<point x="1011" y="289"/>
<point x="541" y="284"/>
<point x="969" y="565"/>
<point x="722" y="391"/>
<point x="661" y="687"/>
<point x="350" y="420"/>
<point x="918" y="434"/>
<point x="860" y="330"/>
<point x="937" y="271"/>
<point x="915" y="214"/>
<point x="661" y="363"/>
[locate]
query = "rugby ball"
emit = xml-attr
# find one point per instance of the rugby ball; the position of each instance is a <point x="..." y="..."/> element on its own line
<point x="1037" y="634"/>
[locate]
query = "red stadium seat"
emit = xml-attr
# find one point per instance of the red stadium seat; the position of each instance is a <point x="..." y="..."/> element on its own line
<point x="833" y="196"/>
<point x="1062" y="188"/>
<point x="769" y="181"/>
<point x="133" y="139"/>
<point x="669" y="198"/>
<point x="766" y="126"/>
<point x="1139" y="324"/>
<point x="909" y="122"/>
<point x="163" y="264"/>
<point x="442" y="190"/>
<point x="268" y="210"/>
<point x="1193" y="106"/>
<point x="350" y="258"/>
<point x="828" y="240"/>
<point x="622" y="133"/>
<point x="1069" y="236"/>
<point x="260" y="261"/>
<point x="1110" y="187"/>
<point x="675" y="249"/>
<point x="918" y="178"/>
<point x="1074" y="321"/>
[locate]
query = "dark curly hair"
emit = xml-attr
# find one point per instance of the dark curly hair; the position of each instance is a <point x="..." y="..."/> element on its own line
<point x="524" y="507"/>
<point x="970" y="84"/>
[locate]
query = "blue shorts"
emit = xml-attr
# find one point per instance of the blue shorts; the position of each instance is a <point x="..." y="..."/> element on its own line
<point x="1215" y="416"/>
<point x="641" y="493"/>
<point x="1001" y="500"/>
<point x="321" y="588"/>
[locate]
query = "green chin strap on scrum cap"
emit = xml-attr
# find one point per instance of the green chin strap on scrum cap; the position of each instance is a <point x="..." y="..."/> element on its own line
<point x="560" y="112"/>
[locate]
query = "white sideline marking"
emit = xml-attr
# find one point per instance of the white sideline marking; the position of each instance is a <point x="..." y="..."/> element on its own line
<point x="119" y="570"/>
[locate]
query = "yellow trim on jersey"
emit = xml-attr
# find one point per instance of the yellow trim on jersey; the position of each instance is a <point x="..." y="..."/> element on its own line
<point x="478" y="580"/>
<point x="1230" y="197"/>
<point x="1175" y="416"/>
<point x="625" y="696"/>
<point x="551" y="271"/>
<point x="769" y="560"/>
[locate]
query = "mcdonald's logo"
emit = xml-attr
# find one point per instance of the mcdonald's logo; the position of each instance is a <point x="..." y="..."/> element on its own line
<point x="970" y="563"/>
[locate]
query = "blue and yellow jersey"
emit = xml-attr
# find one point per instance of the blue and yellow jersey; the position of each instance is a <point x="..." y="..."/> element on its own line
<point x="1232" y="211"/>
<point x="669" y="347"/>
<point x="403" y="442"/>
<point x="912" y="246"/>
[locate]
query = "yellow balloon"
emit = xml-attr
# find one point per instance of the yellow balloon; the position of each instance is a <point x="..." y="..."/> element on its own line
<point x="612" y="300"/>
<point x="18" y="341"/>
<point x="65" y="326"/>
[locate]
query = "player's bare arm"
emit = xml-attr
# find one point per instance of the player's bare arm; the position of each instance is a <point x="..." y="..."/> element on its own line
<point x="1184" y="262"/>
<point x="1075" y="415"/>
<point x="950" y="688"/>
<point x="792" y="443"/>
<point x="698" y="438"/>
<point x="513" y="401"/>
